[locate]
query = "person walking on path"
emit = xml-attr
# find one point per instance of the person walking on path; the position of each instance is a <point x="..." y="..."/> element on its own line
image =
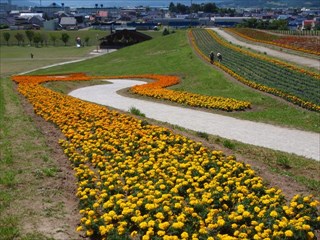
<point x="211" y="56"/>
<point x="219" y="56"/>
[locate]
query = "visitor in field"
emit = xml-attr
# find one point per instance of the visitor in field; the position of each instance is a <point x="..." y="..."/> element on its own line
<point x="219" y="56"/>
<point x="211" y="56"/>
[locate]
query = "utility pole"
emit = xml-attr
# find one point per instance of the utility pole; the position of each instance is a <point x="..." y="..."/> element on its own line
<point x="40" y="3"/>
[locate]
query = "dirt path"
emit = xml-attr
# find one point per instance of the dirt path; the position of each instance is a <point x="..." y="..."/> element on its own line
<point x="278" y="138"/>
<point x="308" y="62"/>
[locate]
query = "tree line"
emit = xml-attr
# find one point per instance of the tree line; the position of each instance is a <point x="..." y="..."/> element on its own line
<point x="264" y="24"/>
<point x="39" y="39"/>
<point x="203" y="7"/>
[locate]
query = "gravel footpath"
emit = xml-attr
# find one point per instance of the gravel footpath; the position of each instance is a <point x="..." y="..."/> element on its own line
<point x="278" y="138"/>
<point x="93" y="55"/>
<point x="314" y="63"/>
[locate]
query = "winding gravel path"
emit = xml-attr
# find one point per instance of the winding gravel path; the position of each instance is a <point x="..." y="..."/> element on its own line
<point x="314" y="63"/>
<point x="288" y="140"/>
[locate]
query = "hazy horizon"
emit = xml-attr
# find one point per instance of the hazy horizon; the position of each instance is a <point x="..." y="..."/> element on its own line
<point x="111" y="3"/>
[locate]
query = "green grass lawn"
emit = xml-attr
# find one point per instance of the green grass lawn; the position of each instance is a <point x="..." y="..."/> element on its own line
<point x="16" y="59"/>
<point x="172" y="55"/>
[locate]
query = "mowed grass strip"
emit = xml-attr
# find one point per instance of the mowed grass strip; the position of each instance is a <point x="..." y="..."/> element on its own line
<point x="29" y="172"/>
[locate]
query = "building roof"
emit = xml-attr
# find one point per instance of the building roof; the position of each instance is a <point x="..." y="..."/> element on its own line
<point x="124" y="37"/>
<point x="68" y="21"/>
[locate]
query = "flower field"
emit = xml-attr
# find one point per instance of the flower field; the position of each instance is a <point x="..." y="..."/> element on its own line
<point x="155" y="89"/>
<point x="260" y="72"/>
<point x="309" y="45"/>
<point x="140" y="181"/>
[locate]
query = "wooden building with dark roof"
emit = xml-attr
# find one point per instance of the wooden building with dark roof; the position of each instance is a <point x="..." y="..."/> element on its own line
<point x="122" y="38"/>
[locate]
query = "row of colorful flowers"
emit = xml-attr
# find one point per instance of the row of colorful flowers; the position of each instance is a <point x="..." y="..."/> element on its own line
<point x="155" y="89"/>
<point x="296" y="43"/>
<point x="265" y="58"/>
<point x="274" y="91"/>
<point x="140" y="181"/>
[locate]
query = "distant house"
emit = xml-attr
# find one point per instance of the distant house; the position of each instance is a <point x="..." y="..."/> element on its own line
<point x="51" y="25"/>
<point x="68" y="23"/>
<point x="308" y="24"/>
<point x="285" y="17"/>
<point x="122" y="38"/>
<point x="36" y="21"/>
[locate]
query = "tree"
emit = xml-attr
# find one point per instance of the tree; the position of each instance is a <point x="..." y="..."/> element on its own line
<point x="172" y="7"/>
<point x="53" y="39"/>
<point x="86" y="39"/>
<point x="30" y="35"/>
<point x="37" y="38"/>
<point x="210" y="8"/>
<point x="65" y="38"/>
<point x="20" y="38"/>
<point x="6" y="36"/>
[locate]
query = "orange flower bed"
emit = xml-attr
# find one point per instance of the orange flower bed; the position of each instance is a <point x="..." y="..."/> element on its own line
<point x="302" y="44"/>
<point x="154" y="89"/>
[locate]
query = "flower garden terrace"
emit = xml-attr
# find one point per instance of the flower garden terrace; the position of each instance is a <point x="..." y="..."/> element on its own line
<point x="287" y="81"/>
<point x="154" y="89"/>
<point x="140" y="181"/>
<point x="309" y="45"/>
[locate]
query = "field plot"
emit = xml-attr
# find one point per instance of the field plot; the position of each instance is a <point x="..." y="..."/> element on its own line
<point x="281" y="79"/>
<point x="140" y="181"/>
<point x="308" y="44"/>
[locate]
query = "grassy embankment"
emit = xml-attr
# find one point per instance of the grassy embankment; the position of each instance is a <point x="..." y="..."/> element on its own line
<point x="173" y="55"/>
<point x="32" y="200"/>
<point x="166" y="55"/>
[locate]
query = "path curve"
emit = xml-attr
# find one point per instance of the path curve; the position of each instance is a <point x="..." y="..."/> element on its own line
<point x="308" y="62"/>
<point x="93" y="55"/>
<point x="288" y="140"/>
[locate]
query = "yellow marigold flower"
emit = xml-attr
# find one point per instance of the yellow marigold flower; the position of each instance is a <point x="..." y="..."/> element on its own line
<point x="311" y="235"/>
<point x="306" y="227"/>
<point x="184" y="235"/>
<point x="177" y="205"/>
<point x="96" y="205"/>
<point x="134" y="234"/>
<point x="234" y="225"/>
<point x="314" y="203"/>
<point x="89" y="232"/>
<point x="273" y="214"/>
<point x="91" y="213"/>
<point x="79" y="229"/>
<point x="166" y="208"/>
<point x="288" y="233"/>
<point x="246" y="214"/>
<point x="256" y="237"/>
<point x="164" y="225"/>
<point x="161" y="233"/>
<point x="145" y="237"/>
<point x="143" y="225"/>
<point x="178" y="225"/>
<point x="151" y="223"/>
<point x="221" y="222"/>
<point x="256" y="209"/>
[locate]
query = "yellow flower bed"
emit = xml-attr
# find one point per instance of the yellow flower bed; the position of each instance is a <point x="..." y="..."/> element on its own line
<point x="140" y="181"/>
<point x="274" y="91"/>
